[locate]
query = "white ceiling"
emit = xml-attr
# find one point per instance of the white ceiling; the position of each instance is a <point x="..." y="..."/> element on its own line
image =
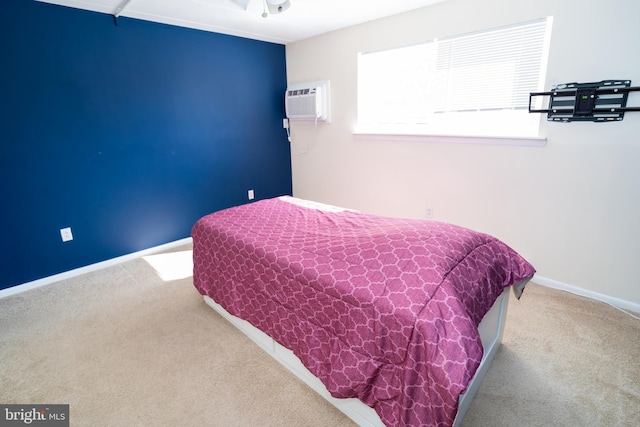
<point x="304" y="19"/>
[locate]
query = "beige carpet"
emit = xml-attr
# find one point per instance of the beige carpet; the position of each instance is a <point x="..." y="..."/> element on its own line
<point x="125" y="348"/>
<point x="564" y="361"/>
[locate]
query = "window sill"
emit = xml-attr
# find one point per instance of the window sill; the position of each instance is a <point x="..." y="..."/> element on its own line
<point x="524" y="141"/>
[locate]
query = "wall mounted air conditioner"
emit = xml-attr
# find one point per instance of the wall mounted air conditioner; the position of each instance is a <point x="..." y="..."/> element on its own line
<point x="308" y="101"/>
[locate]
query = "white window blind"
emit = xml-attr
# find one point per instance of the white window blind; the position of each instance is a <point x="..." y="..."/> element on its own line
<point x="471" y="84"/>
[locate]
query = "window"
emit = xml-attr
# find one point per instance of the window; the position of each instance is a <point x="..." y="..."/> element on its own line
<point x="476" y="84"/>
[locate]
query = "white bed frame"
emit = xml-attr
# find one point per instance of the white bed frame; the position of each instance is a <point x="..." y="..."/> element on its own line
<point x="491" y="329"/>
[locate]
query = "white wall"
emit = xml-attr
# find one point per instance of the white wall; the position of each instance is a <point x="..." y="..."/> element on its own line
<point x="572" y="207"/>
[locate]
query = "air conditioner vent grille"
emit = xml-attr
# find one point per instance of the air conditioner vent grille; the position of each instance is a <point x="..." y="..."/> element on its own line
<point x="308" y="101"/>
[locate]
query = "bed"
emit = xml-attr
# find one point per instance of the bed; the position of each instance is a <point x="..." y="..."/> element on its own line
<point x="382" y="316"/>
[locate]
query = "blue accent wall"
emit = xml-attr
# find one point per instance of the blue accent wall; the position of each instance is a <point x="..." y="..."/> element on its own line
<point x="127" y="134"/>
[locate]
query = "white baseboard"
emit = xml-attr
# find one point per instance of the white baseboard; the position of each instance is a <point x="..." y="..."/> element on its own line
<point x="89" y="268"/>
<point x="541" y="280"/>
<point x="616" y="302"/>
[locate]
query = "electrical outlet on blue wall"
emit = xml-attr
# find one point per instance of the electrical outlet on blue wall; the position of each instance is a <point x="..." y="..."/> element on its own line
<point x="65" y="234"/>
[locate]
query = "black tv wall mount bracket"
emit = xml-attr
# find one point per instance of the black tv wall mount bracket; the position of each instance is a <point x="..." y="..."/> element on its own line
<point x="603" y="101"/>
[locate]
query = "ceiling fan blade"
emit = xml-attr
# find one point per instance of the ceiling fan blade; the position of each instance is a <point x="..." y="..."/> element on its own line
<point x="242" y="3"/>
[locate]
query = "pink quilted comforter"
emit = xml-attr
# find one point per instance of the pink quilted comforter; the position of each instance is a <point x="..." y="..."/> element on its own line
<point x="381" y="309"/>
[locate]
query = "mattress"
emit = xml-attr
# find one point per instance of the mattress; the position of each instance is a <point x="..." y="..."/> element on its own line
<point x="381" y="309"/>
